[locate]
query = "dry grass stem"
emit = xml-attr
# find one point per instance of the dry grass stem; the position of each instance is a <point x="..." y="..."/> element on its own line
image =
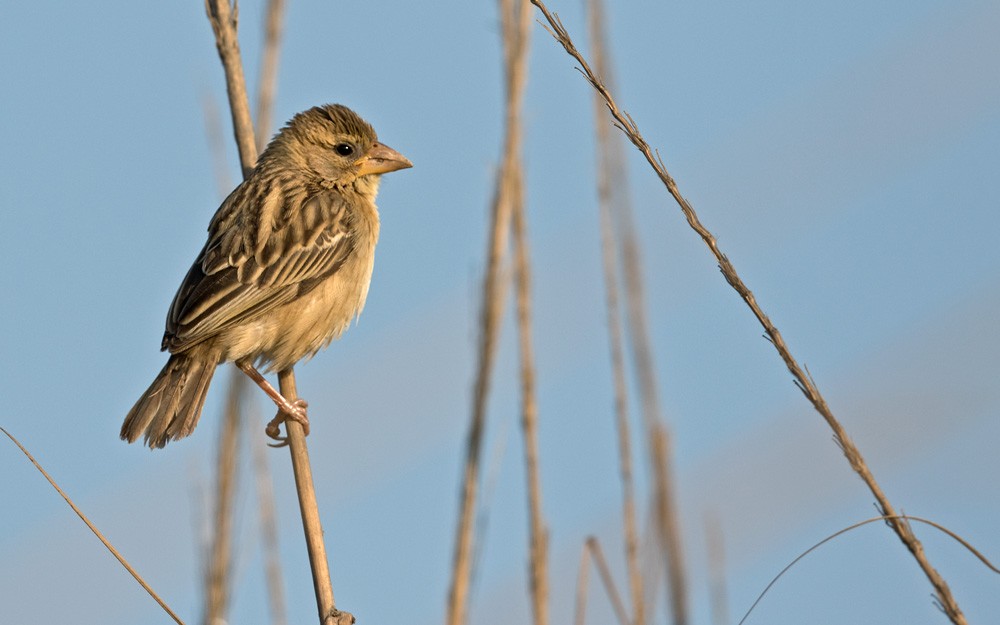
<point x="529" y="423"/>
<point x="224" y="20"/>
<point x="902" y="517"/>
<point x="516" y="22"/>
<point x="269" y="533"/>
<point x="717" y="591"/>
<point x="217" y="145"/>
<point x="489" y="329"/>
<point x="267" y="81"/>
<point x="494" y="291"/>
<point x="267" y="87"/>
<point x="301" y="467"/>
<point x="93" y="528"/>
<point x="582" y="586"/>
<point x="609" y="583"/>
<point x="613" y="196"/>
<point x="611" y="189"/>
<point x="218" y="577"/>
<point x="668" y="530"/>
<point x="805" y="383"/>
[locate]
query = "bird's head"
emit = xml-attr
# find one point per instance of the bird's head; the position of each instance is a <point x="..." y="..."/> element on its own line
<point x="335" y="147"/>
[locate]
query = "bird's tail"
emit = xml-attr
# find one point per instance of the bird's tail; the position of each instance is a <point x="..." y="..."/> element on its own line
<point x="170" y="407"/>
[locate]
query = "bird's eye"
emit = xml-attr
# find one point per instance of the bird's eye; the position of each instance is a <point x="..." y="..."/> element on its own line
<point x="344" y="149"/>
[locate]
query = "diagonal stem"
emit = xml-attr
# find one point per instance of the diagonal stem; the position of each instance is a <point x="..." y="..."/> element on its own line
<point x="802" y="379"/>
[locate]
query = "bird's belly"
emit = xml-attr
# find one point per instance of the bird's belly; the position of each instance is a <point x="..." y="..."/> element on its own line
<point x="282" y="337"/>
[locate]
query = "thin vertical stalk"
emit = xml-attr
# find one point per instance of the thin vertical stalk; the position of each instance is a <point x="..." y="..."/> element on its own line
<point x="582" y="577"/>
<point x="223" y="19"/>
<point x="313" y="529"/>
<point x="515" y="21"/>
<point x="613" y="186"/>
<point x="218" y="578"/>
<point x="267" y="87"/>
<point x="668" y="529"/>
<point x="529" y="420"/>
<point x="718" y="595"/>
<point x="269" y="534"/>
<point x="267" y="81"/>
<point x="610" y="177"/>
<point x="489" y="330"/>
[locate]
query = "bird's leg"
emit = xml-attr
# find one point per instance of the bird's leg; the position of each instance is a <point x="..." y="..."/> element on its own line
<point x="294" y="410"/>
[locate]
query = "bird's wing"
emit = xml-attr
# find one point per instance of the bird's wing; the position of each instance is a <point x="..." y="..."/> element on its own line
<point x="256" y="260"/>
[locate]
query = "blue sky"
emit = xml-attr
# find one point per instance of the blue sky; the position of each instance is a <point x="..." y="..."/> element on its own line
<point x="845" y="154"/>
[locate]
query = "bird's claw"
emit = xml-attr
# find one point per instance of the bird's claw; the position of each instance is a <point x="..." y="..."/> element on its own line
<point x="298" y="413"/>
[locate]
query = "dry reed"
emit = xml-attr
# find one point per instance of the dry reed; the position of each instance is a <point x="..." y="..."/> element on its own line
<point x="516" y="22"/>
<point x="611" y="188"/>
<point x="218" y="573"/>
<point x="267" y="80"/>
<point x="267" y="87"/>
<point x="223" y="19"/>
<point x="268" y="533"/>
<point x="717" y="591"/>
<point x="493" y="296"/>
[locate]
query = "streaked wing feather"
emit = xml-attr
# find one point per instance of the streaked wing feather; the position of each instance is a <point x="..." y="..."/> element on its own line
<point x="236" y="278"/>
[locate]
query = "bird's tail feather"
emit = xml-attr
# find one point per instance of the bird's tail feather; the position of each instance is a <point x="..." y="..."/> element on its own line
<point x="170" y="407"/>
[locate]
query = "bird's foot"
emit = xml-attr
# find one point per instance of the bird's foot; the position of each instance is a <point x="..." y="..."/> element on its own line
<point x="296" y="411"/>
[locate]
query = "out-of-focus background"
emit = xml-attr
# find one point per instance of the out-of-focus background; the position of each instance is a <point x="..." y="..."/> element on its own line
<point x="846" y="155"/>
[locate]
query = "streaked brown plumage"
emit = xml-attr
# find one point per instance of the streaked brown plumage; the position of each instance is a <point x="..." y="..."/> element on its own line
<point x="285" y="269"/>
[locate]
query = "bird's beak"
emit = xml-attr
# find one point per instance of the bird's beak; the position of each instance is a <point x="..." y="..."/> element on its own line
<point x="381" y="159"/>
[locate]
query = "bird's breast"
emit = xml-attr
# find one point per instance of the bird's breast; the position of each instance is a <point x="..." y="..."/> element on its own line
<point x="295" y="331"/>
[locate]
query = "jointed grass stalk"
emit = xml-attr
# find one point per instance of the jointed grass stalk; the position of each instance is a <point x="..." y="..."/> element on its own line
<point x="223" y="19"/>
<point x="805" y="382"/>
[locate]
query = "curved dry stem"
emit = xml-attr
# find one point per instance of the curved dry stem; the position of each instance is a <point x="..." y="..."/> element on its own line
<point x="900" y="517"/>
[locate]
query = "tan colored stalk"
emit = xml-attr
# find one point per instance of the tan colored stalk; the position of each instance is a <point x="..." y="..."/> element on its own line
<point x="217" y="145"/>
<point x="269" y="534"/>
<point x="267" y="87"/>
<point x="223" y="19"/>
<point x="516" y="22"/>
<point x="489" y="330"/>
<point x="668" y="530"/>
<point x="93" y="528"/>
<point x="610" y="176"/>
<point x="609" y="583"/>
<point x="582" y="587"/>
<point x="218" y="574"/>
<point x="592" y="551"/>
<point x="267" y="81"/>
<point x="718" y="595"/>
<point x="805" y="383"/>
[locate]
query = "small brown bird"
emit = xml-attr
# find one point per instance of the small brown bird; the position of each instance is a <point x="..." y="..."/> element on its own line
<point x="285" y="270"/>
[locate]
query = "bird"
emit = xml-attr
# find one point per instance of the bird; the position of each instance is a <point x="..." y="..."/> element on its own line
<point x="285" y="270"/>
